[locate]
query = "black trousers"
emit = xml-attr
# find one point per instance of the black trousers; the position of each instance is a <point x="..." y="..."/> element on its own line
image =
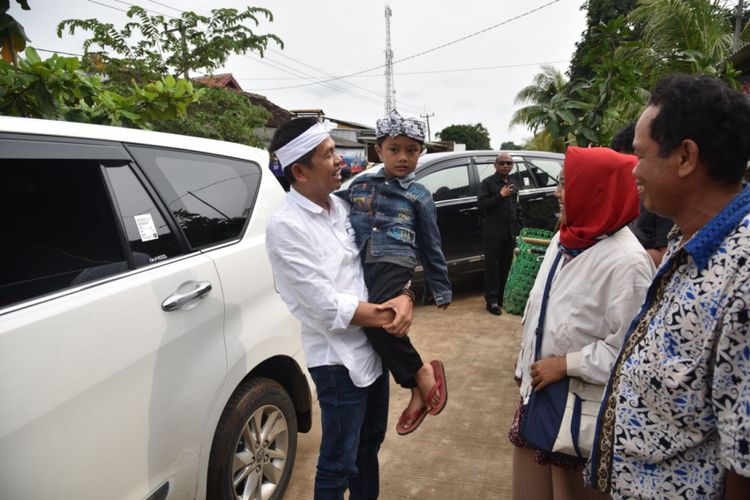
<point x="498" y="256"/>
<point x="385" y="281"/>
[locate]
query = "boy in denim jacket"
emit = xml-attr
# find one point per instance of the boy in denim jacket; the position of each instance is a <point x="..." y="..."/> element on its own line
<point x="395" y="221"/>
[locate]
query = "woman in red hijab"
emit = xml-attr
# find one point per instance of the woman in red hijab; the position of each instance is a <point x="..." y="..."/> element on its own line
<point x="598" y="277"/>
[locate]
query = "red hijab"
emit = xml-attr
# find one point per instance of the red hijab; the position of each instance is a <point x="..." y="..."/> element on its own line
<point x="600" y="195"/>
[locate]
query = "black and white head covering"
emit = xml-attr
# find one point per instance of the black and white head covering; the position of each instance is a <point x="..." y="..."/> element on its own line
<point x="394" y="125"/>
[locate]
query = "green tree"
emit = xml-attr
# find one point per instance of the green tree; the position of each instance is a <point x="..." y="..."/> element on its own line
<point x="549" y="106"/>
<point x="510" y="146"/>
<point x="12" y="35"/>
<point x="220" y="114"/>
<point x="57" y="89"/>
<point x="180" y="45"/>
<point x="475" y="136"/>
<point x="691" y="36"/>
<point x="597" y="12"/>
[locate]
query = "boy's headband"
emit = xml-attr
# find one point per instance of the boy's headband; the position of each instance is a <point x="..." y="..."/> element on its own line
<point x="303" y="143"/>
<point x="394" y="125"/>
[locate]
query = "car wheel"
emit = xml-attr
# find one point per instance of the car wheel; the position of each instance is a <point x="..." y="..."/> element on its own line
<point x="253" y="450"/>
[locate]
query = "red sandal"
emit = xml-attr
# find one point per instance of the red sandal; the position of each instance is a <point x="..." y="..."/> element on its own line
<point x="408" y="422"/>
<point x="441" y="385"/>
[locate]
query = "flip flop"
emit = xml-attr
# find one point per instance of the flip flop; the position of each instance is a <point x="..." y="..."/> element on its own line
<point x="441" y="385"/>
<point x="404" y="426"/>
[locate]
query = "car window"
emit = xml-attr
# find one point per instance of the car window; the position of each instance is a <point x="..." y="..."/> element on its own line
<point x="64" y="231"/>
<point x="149" y="237"/>
<point x="210" y="197"/>
<point x="448" y="183"/>
<point x="519" y="172"/>
<point x="545" y="170"/>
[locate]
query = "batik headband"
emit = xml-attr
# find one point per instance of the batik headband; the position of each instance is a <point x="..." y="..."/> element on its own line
<point x="394" y="125"/>
<point x="303" y="143"/>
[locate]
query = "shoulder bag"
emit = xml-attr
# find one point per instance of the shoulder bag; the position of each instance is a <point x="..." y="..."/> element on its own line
<point x="561" y="418"/>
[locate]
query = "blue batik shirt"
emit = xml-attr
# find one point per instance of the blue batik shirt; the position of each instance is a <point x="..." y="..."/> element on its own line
<point x="397" y="216"/>
<point x="676" y="412"/>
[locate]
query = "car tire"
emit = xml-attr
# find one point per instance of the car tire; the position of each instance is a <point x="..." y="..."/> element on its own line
<point x="255" y="444"/>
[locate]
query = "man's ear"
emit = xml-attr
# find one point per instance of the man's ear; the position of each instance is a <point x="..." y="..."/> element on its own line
<point x="688" y="154"/>
<point x="379" y="151"/>
<point x="299" y="173"/>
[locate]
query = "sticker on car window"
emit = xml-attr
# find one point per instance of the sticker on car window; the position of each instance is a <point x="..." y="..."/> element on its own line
<point x="146" y="227"/>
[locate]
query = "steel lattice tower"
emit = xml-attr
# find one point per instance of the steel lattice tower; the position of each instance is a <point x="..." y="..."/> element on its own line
<point x="390" y="91"/>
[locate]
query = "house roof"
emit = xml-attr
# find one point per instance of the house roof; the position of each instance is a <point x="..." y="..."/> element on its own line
<point x="279" y="115"/>
<point x="741" y="59"/>
<point x="225" y="80"/>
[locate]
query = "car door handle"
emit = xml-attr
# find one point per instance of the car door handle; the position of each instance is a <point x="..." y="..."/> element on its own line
<point x="467" y="211"/>
<point x="540" y="198"/>
<point x="181" y="298"/>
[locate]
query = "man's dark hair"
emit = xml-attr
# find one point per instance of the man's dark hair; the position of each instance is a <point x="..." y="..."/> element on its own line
<point x="622" y="142"/>
<point x="709" y="112"/>
<point x="285" y="134"/>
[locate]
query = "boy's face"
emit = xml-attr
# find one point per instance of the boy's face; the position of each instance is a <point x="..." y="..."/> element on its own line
<point x="399" y="155"/>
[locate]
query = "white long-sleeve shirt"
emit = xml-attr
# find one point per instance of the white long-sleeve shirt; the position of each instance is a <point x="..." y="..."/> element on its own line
<point x="592" y="301"/>
<point x="319" y="275"/>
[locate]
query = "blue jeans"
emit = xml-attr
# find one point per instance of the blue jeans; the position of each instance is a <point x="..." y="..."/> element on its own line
<point x="354" y="421"/>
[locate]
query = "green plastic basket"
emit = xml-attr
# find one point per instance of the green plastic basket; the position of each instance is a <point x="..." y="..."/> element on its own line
<point x="527" y="258"/>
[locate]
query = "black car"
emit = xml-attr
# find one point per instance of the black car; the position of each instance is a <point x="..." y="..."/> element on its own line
<point x="453" y="179"/>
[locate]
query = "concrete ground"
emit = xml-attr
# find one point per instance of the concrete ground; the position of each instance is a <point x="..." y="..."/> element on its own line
<point x="464" y="452"/>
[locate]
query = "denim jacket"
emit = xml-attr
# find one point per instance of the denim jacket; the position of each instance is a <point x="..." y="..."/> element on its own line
<point x="400" y="217"/>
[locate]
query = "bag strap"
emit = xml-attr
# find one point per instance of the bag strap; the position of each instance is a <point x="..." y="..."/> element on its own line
<point x="543" y="311"/>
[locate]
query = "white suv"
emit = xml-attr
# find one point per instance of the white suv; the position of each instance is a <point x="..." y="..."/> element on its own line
<point x="144" y="353"/>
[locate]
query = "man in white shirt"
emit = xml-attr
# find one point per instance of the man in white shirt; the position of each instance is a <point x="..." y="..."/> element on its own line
<point x="317" y="267"/>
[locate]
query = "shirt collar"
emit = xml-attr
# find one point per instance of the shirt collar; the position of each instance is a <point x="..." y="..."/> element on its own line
<point x="305" y="203"/>
<point x="405" y="182"/>
<point x="708" y="239"/>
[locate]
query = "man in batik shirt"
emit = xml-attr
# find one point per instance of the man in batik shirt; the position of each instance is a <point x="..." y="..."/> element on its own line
<point x="675" y="420"/>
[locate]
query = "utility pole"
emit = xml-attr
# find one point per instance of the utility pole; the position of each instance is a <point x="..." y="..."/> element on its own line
<point x="390" y="91"/>
<point x="427" y="116"/>
<point x="737" y="26"/>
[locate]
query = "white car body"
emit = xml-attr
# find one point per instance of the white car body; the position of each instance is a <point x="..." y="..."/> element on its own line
<point x="106" y="395"/>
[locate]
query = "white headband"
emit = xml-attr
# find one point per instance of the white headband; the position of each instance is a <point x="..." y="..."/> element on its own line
<point x="303" y="143"/>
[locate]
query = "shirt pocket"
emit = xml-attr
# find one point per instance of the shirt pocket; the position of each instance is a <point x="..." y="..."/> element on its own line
<point x="401" y="234"/>
<point x="361" y="199"/>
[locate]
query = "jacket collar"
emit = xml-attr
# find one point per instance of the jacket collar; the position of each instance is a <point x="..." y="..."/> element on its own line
<point x="405" y="182"/>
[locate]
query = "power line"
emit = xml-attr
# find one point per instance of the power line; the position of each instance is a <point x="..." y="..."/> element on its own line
<point x="427" y="72"/>
<point x="109" y="6"/>
<point x="266" y="60"/>
<point x="442" y="46"/>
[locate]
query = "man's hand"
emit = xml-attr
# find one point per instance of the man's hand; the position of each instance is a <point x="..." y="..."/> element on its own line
<point x="506" y="190"/>
<point x="402" y="307"/>
<point x="548" y="371"/>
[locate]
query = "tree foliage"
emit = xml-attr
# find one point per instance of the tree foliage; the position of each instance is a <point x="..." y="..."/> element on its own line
<point x="12" y="35"/>
<point x="220" y="114"/>
<point x="618" y="60"/>
<point x="57" y="89"/>
<point x="178" y="45"/>
<point x="597" y="12"/>
<point x="510" y="146"/>
<point x="475" y="136"/>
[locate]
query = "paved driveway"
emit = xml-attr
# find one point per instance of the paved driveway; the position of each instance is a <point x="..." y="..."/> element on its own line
<point x="463" y="453"/>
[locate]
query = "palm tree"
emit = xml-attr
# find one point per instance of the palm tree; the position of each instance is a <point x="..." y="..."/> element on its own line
<point x="690" y="36"/>
<point x="547" y="85"/>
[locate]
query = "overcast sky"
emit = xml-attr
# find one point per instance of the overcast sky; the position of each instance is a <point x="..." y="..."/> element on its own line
<point x="472" y="80"/>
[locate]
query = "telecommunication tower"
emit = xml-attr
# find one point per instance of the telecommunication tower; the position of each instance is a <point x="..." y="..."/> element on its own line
<point x="390" y="91"/>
